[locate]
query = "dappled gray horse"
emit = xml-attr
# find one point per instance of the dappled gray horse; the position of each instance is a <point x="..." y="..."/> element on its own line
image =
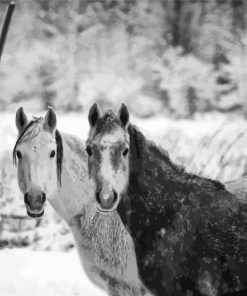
<point x="53" y="166"/>
<point x="189" y="232"/>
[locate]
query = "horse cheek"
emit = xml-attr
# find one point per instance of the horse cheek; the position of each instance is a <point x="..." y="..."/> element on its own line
<point x="52" y="180"/>
<point x="122" y="180"/>
<point x="93" y="170"/>
<point x="21" y="179"/>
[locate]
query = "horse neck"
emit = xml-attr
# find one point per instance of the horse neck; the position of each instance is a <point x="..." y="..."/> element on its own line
<point x="73" y="196"/>
<point x="154" y="179"/>
<point x="156" y="172"/>
<point x="146" y="156"/>
<point x="151" y="171"/>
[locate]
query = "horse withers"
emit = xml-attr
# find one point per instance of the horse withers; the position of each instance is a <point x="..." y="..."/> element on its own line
<point x="53" y="166"/>
<point x="189" y="232"/>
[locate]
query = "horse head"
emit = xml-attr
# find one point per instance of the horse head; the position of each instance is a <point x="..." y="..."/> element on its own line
<point x="108" y="162"/>
<point x="37" y="155"/>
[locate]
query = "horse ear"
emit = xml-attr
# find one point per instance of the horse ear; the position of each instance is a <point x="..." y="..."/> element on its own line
<point x="20" y="119"/>
<point x="123" y="115"/>
<point x="50" y="121"/>
<point x="93" y="115"/>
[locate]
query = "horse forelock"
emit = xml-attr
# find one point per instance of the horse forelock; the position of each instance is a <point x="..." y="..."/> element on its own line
<point x="107" y="123"/>
<point x="30" y="132"/>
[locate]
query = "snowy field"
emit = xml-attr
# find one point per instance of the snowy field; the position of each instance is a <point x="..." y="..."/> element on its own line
<point x="27" y="273"/>
<point x="212" y="145"/>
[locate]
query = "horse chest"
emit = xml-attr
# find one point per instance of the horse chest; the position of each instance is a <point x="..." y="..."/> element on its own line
<point x="108" y="244"/>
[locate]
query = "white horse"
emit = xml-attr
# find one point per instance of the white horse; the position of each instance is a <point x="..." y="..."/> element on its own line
<point x="53" y="166"/>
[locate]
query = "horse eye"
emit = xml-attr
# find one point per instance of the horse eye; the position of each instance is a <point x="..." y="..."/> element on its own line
<point x="126" y="151"/>
<point x="18" y="154"/>
<point x="52" y="154"/>
<point x="89" y="151"/>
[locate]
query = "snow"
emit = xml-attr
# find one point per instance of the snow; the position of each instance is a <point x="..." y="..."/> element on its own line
<point x="28" y="273"/>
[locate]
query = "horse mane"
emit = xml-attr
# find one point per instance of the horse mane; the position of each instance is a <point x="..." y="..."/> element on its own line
<point x="141" y="147"/>
<point x="145" y="153"/>
<point x="59" y="144"/>
<point x="138" y="143"/>
<point x="163" y="154"/>
<point x="59" y="155"/>
<point x="107" y="123"/>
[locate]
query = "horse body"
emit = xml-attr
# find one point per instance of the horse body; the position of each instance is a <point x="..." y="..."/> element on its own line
<point x="105" y="248"/>
<point x="189" y="232"/>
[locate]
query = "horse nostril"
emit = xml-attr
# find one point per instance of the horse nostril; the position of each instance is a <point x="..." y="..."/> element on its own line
<point x="98" y="197"/>
<point x="115" y="196"/>
<point x="26" y="200"/>
<point x="43" y="198"/>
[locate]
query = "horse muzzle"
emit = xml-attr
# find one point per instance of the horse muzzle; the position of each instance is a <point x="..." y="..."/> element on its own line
<point x="107" y="202"/>
<point x="35" y="215"/>
<point x="35" y="204"/>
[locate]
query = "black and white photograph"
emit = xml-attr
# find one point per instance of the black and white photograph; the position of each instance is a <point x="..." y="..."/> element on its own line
<point x="123" y="148"/>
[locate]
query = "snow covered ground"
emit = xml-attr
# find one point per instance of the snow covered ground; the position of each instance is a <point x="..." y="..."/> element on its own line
<point x="27" y="273"/>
